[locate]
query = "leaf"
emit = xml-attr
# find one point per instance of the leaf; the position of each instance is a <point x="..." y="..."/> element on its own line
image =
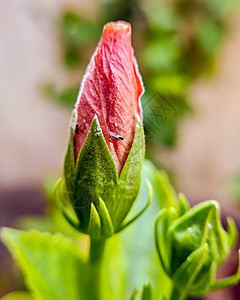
<point x="232" y="232"/>
<point x="52" y="264"/>
<point x="18" y="295"/>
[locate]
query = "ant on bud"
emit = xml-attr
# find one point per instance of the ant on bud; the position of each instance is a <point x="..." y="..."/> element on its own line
<point x="77" y="129"/>
<point x="115" y="136"/>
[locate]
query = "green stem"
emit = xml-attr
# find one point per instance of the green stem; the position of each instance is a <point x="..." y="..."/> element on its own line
<point x="177" y="294"/>
<point x="94" y="265"/>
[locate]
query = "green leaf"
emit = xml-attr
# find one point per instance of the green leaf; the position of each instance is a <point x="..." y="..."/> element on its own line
<point x="52" y="264"/>
<point x="18" y="295"/>
<point x="96" y="174"/>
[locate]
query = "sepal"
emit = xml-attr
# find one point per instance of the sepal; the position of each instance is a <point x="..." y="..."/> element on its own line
<point x="99" y="198"/>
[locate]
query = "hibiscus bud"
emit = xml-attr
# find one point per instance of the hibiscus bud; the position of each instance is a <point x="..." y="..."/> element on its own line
<point x="191" y="245"/>
<point x="102" y="169"/>
<point x="111" y="90"/>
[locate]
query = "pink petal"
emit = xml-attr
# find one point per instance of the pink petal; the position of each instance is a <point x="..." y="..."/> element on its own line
<point x="111" y="89"/>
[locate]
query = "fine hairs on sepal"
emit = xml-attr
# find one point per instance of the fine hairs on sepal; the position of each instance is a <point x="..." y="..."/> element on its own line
<point x="99" y="198"/>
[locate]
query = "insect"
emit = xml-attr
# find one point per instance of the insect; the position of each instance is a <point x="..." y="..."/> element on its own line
<point x="77" y="129"/>
<point x="115" y="136"/>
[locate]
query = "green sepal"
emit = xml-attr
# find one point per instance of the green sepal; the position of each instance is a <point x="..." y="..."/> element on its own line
<point x="183" y="205"/>
<point x="165" y="192"/>
<point x="232" y="232"/>
<point x="62" y="200"/>
<point x="96" y="174"/>
<point x="134" y="295"/>
<point x="204" y="280"/>
<point x="93" y="179"/>
<point x="133" y="219"/>
<point x="187" y="273"/>
<point x="146" y="292"/>
<point x="229" y="281"/>
<point x="94" y="226"/>
<point x="129" y="180"/>
<point x="162" y="224"/>
<point x="107" y="229"/>
<point x="69" y="163"/>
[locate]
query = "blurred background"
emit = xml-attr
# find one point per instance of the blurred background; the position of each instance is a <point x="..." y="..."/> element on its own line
<point x="188" y="55"/>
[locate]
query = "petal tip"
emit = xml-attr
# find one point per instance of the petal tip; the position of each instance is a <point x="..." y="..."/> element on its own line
<point x="115" y="27"/>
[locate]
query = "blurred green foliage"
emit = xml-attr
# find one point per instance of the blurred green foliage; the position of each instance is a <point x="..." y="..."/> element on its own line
<point x="175" y="42"/>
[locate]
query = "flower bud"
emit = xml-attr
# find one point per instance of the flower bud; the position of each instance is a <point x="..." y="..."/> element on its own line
<point x="111" y="90"/>
<point x="191" y="246"/>
<point x="102" y="168"/>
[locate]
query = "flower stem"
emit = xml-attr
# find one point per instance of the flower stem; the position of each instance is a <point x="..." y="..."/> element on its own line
<point x="94" y="264"/>
<point x="177" y="294"/>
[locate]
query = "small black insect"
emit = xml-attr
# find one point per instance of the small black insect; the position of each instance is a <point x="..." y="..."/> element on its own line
<point x="77" y="129"/>
<point x="115" y="136"/>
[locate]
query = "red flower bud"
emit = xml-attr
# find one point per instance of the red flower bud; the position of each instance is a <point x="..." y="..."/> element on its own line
<point x="111" y="90"/>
